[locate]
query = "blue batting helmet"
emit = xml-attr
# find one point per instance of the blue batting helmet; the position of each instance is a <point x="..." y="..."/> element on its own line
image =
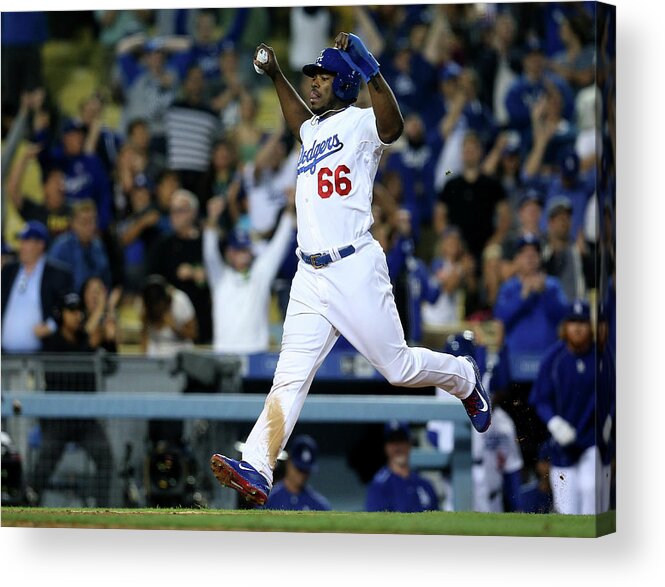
<point x="346" y="84"/>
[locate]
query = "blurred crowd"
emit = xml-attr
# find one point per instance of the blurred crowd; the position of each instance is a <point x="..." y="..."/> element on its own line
<point x="497" y="203"/>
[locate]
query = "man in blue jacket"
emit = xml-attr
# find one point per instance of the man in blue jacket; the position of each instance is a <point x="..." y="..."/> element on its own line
<point x="530" y="305"/>
<point x="564" y="396"/>
<point x="395" y="487"/>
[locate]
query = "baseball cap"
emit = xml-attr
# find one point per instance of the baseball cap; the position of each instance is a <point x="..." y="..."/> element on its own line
<point x="71" y="301"/>
<point x="34" y="230"/>
<point x="570" y="164"/>
<point x="513" y="144"/>
<point x="450" y="70"/>
<point x="461" y="344"/>
<point x="156" y="44"/>
<point x="579" y="311"/>
<point x="141" y="180"/>
<point x="73" y="125"/>
<point x="531" y="195"/>
<point x="533" y="45"/>
<point x="396" y="430"/>
<point x="239" y="239"/>
<point x="558" y="203"/>
<point x="527" y="240"/>
<point x="304" y="452"/>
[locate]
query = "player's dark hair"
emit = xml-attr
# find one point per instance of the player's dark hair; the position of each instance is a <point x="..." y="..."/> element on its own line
<point x="156" y="298"/>
<point x="137" y="122"/>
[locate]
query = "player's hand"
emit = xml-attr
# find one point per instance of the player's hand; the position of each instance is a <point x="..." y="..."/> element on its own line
<point x="41" y="330"/>
<point x="561" y="431"/>
<point x="357" y="55"/>
<point x="270" y="67"/>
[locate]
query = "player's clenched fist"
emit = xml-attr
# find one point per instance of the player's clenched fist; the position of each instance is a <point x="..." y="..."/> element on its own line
<point x="265" y="60"/>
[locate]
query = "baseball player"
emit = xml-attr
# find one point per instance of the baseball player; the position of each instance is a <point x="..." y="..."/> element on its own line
<point x="564" y="397"/>
<point x="341" y="285"/>
<point x="497" y="458"/>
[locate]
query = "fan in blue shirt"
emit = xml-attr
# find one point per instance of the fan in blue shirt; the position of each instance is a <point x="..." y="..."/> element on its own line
<point x="293" y="491"/>
<point x="395" y="487"/>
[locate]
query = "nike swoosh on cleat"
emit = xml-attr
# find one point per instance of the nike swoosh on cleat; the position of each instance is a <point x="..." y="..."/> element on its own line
<point x="240" y="465"/>
<point x="485" y="406"/>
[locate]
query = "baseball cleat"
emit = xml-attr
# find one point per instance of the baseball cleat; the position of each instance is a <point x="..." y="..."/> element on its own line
<point x="242" y="477"/>
<point x="477" y="405"/>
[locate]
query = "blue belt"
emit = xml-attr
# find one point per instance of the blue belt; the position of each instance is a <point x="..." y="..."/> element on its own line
<point x="319" y="260"/>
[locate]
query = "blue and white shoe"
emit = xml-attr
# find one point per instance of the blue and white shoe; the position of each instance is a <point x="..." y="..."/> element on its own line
<point x="242" y="477"/>
<point x="478" y="404"/>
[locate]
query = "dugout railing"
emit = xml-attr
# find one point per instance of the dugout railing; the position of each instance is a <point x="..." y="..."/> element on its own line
<point x="132" y="390"/>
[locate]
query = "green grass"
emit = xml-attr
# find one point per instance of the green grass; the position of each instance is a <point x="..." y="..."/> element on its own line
<point x="450" y="523"/>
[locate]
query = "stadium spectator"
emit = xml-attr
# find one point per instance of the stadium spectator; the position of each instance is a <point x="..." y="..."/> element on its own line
<point x="99" y="314"/>
<point x="100" y="140"/>
<point x="223" y="179"/>
<point x="463" y="112"/>
<point x="471" y="198"/>
<point x="498" y="63"/>
<point x="576" y="63"/>
<point x="149" y="82"/>
<point x="85" y="176"/>
<point x="247" y="135"/>
<point x="241" y="284"/>
<point x="564" y="397"/>
<point x="54" y="213"/>
<point x="530" y="306"/>
<point x="224" y="93"/>
<point x="412" y="284"/>
<point x="529" y="213"/>
<point x="205" y="47"/>
<point x="293" y="491"/>
<point x="81" y="249"/>
<point x="90" y="435"/>
<point x="168" y="319"/>
<point x="167" y="184"/>
<point x="578" y="187"/>
<point x="453" y="269"/>
<point x="527" y="89"/>
<point x="178" y="257"/>
<point x="497" y="459"/>
<point x="415" y="163"/>
<point x="504" y="162"/>
<point x="191" y="128"/>
<point x="562" y="257"/>
<point x="138" y="233"/>
<point x="310" y="29"/>
<point x="267" y="182"/>
<point x="395" y="487"/>
<point x="31" y="287"/>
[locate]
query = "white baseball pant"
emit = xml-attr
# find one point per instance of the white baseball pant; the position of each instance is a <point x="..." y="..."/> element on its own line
<point x="574" y="488"/>
<point x="352" y="297"/>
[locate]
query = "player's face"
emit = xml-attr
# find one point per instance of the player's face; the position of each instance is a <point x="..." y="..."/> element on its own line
<point x="321" y="96"/>
<point x="398" y="451"/>
<point x="578" y="334"/>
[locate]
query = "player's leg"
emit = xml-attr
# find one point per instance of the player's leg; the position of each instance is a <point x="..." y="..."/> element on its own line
<point x="587" y="468"/>
<point x="96" y="443"/>
<point x="565" y="489"/>
<point x="603" y="485"/>
<point x="306" y="341"/>
<point x="364" y="311"/>
<point x="362" y="308"/>
<point x="54" y="436"/>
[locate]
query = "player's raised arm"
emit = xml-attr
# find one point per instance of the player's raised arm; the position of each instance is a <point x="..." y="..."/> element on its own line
<point x="389" y="121"/>
<point x="294" y="109"/>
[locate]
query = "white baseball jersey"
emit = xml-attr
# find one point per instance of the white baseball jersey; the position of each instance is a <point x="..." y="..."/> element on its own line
<point x="336" y="169"/>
